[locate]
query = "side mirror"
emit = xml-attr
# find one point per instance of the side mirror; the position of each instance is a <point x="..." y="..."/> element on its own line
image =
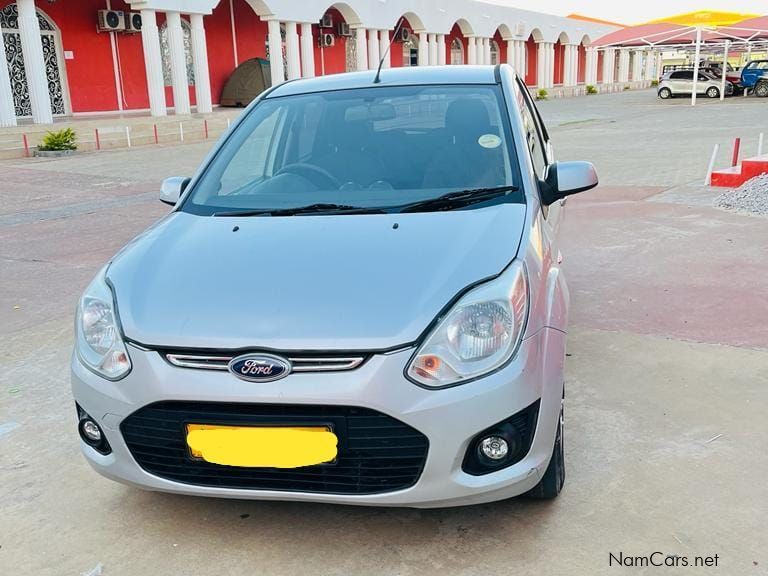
<point x="172" y="189"/>
<point x="566" y="178"/>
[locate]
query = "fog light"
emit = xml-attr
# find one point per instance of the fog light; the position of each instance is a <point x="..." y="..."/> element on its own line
<point x="494" y="447"/>
<point x="91" y="431"/>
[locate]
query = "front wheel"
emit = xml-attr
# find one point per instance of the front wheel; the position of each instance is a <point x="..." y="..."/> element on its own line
<point x="761" y="90"/>
<point x="713" y="92"/>
<point x="553" y="480"/>
<point x="665" y="93"/>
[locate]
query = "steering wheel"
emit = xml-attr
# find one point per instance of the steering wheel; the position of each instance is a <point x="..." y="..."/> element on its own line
<point x="318" y="176"/>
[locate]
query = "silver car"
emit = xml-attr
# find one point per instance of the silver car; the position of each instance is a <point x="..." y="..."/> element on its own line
<point x="357" y="299"/>
<point x="680" y="83"/>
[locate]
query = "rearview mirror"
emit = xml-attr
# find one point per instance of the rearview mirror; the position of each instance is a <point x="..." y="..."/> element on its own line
<point x="172" y="189"/>
<point x="566" y="178"/>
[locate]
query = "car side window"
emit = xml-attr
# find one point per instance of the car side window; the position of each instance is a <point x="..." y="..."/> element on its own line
<point x="534" y="138"/>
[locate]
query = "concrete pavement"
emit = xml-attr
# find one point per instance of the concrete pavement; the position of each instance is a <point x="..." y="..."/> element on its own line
<point x="666" y="383"/>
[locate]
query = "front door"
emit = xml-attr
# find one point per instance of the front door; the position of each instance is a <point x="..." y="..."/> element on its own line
<point x="9" y="26"/>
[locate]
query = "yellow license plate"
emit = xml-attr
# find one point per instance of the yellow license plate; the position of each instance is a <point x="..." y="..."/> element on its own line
<point x="262" y="446"/>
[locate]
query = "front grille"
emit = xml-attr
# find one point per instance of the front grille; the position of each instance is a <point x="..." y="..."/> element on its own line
<point x="377" y="453"/>
<point x="220" y="361"/>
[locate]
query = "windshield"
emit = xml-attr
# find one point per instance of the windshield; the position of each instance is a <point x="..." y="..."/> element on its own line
<point x="371" y="148"/>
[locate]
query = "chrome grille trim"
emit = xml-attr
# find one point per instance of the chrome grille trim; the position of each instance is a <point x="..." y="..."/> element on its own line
<point x="298" y="363"/>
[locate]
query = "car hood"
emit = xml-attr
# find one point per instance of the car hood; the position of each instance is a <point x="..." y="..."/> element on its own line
<point x="336" y="282"/>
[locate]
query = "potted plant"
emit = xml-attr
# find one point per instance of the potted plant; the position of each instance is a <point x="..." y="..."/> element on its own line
<point x="542" y="94"/>
<point x="59" y="143"/>
<point x="591" y="89"/>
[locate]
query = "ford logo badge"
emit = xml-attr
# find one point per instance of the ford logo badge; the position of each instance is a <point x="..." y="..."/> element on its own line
<point x="259" y="367"/>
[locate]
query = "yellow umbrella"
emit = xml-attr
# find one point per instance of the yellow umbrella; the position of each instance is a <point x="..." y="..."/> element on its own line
<point x="712" y="18"/>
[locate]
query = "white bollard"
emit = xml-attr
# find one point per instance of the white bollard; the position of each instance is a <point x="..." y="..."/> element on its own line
<point x="228" y="123"/>
<point x="708" y="179"/>
<point x="760" y="144"/>
<point x="181" y="131"/>
<point x="128" y="136"/>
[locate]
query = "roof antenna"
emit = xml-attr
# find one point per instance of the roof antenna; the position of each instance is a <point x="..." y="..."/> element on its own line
<point x="377" y="79"/>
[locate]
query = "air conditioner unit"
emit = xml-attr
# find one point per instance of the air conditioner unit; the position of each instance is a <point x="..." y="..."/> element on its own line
<point x="404" y="35"/>
<point x="327" y="40"/>
<point x="111" y="20"/>
<point x="327" y="21"/>
<point x="133" y="21"/>
<point x="344" y="29"/>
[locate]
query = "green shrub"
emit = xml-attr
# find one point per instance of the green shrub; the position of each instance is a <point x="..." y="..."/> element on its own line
<point x="591" y="89"/>
<point x="654" y="83"/>
<point x="626" y="88"/>
<point x="61" y="140"/>
<point x="542" y="94"/>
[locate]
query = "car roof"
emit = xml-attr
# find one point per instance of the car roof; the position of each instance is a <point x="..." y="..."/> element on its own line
<point x="405" y="76"/>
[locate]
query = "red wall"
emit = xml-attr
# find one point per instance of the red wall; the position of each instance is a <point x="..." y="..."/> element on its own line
<point x="582" y="64"/>
<point x="532" y="63"/>
<point x="456" y="33"/>
<point x="331" y="60"/>
<point x="502" y="47"/>
<point x="600" y="58"/>
<point x="559" y="62"/>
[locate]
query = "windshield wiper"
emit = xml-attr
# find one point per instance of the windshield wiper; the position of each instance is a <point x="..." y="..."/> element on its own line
<point x="458" y="199"/>
<point x="310" y="209"/>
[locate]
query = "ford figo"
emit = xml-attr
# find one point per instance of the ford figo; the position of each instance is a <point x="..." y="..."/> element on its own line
<point x="357" y="299"/>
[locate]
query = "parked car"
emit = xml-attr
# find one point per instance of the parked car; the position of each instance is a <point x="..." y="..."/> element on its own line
<point x="358" y="299"/>
<point x="754" y="77"/>
<point x="680" y="82"/>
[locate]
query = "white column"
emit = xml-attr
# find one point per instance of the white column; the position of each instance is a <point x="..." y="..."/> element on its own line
<point x="275" y="42"/>
<point x="471" y="50"/>
<point x="637" y="65"/>
<point x="521" y="61"/>
<point x="361" y="47"/>
<point x="423" y="57"/>
<point x="178" y="59"/>
<point x="34" y="62"/>
<point x="153" y="63"/>
<point x="546" y="65"/>
<point x="511" y="45"/>
<point x="307" y="51"/>
<point x="623" y="65"/>
<point x="7" y="109"/>
<point x="648" y="74"/>
<point x="590" y="74"/>
<point x="373" y="49"/>
<point x="659" y="65"/>
<point x="292" y="51"/>
<point x="383" y="48"/>
<point x="441" y="49"/>
<point x="568" y="65"/>
<point x="200" y="59"/>
<point x="432" y="47"/>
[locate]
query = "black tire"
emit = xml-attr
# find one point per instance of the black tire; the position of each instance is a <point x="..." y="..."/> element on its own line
<point x="713" y="92"/>
<point x="665" y="93"/>
<point x="761" y="89"/>
<point x="554" y="478"/>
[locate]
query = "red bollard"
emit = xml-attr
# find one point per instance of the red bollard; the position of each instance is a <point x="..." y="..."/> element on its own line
<point x="736" y="149"/>
<point x="98" y="140"/>
<point x="205" y="128"/>
<point x="157" y="140"/>
<point x="26" y="145"/>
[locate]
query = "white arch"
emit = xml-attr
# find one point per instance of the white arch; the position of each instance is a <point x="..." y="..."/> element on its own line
<point x="465" y="27"/>
<point x="417" y="24"/>
<point x="536" y="34"/>
<point x="563" y="38"/>
<point x="586" y="40"/>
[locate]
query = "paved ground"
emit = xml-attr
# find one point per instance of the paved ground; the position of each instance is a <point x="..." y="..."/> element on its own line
<point x="667" y="381"/>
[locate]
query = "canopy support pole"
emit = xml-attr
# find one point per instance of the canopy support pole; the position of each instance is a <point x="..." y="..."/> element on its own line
<point x="725" y="69"/>
<point x="696" y="66"/>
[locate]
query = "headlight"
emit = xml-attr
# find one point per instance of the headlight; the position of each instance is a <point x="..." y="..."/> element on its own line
<point x="479" y="334"/>
<point x="98" y="342"/>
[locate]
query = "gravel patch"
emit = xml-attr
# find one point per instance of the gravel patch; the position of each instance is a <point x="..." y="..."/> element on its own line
<point x="752" y="197"/>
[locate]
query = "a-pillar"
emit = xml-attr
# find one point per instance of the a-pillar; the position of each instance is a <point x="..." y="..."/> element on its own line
<point x="178" y="58"/>
<point x="432" y="49"/>
<point x="637" y="65"/>
<point x="546" y="65"/>
<point x="623" y="65"/>
<point x="200" y="63"/>
<point x="307" y="51"/>
<point x="275" y="43"/>
<point x="471" y="50"/>
<point x="384" y="48"/>
<point x="590" y="74"/>
<point x="7" y="108"/>
<point x="609" y="66"/>
<point x="441" y="49"/>
<point x="373" y="49"/>
<point x="292" y="51"/>
<point x="361" y="48"/>
<point x="34" y="62"/>
<point x="153" y="63"/>
<point x="423" y="53"/>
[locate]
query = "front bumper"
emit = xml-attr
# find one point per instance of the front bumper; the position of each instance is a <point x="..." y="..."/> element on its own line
<point x="448" y="418"/>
